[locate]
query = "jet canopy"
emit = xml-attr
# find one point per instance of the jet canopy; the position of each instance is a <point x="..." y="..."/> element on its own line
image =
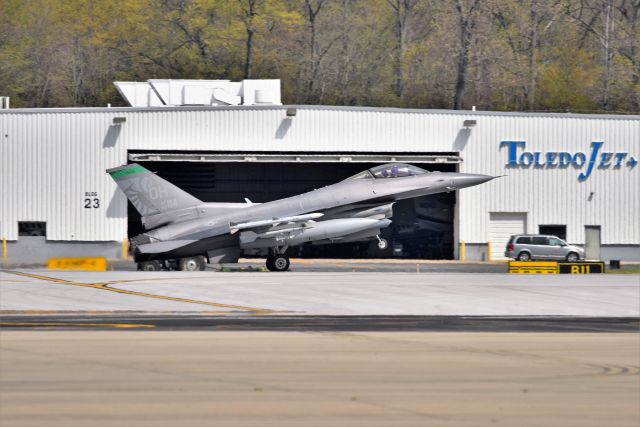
<point x="390" y="170"/>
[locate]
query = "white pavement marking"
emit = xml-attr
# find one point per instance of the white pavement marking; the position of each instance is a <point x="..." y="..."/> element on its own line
<point x="335" y="293"/>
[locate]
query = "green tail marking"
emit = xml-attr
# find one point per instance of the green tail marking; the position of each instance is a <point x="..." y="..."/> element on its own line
<point x="131" y="170"/>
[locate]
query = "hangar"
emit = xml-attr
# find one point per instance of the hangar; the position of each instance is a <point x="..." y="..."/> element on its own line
<point x="572" y="175"/>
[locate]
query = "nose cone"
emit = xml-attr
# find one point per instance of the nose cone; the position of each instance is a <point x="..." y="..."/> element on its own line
<point x="463" y="180"/>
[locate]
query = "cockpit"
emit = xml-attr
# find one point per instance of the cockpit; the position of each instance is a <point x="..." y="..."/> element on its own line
<point x="390" y="170"/>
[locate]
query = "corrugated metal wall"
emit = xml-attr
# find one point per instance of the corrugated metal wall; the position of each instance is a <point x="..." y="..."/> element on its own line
<point x="553" y="196"/>
<point x="48" y="161"/>
<point x="50" y="158"/>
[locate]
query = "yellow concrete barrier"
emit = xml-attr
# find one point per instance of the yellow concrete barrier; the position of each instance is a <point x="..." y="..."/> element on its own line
<point x="90" y="264"/>
<point x="533" y="267"/>
<point x="463" y="250"/>
<point x="4" y="248"/>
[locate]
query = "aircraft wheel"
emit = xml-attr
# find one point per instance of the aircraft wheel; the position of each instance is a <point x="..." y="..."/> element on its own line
<point x="269" y="263"/>
<point x="149" y="266"/>
<point x="383" y="244"/>
<point x="278" y="263"/>
<point x="191" y="264"/>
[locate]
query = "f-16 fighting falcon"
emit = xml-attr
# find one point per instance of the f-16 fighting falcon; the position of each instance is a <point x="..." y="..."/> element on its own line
<point x="184" y="233"/>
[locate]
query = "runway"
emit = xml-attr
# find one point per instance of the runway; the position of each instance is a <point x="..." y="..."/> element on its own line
<point x="204" y="378"/>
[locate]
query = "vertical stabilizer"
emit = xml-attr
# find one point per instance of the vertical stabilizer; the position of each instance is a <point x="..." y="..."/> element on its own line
<point x="149" y="193"/>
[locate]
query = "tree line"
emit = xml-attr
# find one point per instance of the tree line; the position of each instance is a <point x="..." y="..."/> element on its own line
<point x="523" y="55"/>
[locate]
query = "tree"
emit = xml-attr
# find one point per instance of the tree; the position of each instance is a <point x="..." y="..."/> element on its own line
<point x="613" y="24"/>
<point x="496" y="54"/>
<point x="629" y="47"/>
<point x="315" y="55"/>
<point x="249" y="13"/>
<point x="467" y="12"/>
<point x="595" y="18"/>
<point x="402" y="10"/>
<point x="524" y="27"/>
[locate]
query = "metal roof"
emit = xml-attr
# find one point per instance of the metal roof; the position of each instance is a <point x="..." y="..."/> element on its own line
<point x="296" y="157"/>
<point x="319" y="107"/>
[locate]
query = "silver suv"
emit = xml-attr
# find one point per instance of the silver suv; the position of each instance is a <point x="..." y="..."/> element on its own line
<point x="525" y="247"/>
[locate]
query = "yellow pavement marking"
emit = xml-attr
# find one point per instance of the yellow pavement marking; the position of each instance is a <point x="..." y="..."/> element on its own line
<point x="56" y="324"/>
<point x="105" y="286"/>
<point x="50" y="279"/>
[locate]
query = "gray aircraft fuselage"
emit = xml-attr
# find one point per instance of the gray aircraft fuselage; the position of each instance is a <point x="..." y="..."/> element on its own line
<point x="213" y="229"/>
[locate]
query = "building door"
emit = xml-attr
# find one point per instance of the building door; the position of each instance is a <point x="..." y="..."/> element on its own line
<point x="592" y="242"/>
<point x="502" y="225"/>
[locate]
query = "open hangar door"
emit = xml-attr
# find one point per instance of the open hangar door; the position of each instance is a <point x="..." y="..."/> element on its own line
<point x="422" y="228"/>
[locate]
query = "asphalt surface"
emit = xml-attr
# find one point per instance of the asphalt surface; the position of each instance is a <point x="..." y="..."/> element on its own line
<point x="185" y="322"/>
<point x="288" y="379"/>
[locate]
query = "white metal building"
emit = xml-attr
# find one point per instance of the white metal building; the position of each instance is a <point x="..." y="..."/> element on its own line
<point x="564" y="173"/>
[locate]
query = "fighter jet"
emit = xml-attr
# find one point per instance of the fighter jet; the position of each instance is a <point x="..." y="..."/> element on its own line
<point x="184" y="233"/>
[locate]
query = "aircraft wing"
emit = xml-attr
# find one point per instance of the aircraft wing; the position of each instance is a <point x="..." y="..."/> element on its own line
<point x="377" y="210"/>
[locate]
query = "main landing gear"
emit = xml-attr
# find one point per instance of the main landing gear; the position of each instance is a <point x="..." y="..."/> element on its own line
<point x="278" y="261"/>
<point x="196" y="263"/>
<point x="150" y="266"/>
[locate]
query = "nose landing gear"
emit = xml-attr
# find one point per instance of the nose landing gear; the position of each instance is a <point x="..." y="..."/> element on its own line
<point x="382" y="243"/>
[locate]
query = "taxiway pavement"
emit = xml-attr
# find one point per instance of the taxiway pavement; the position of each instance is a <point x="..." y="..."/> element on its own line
<point x="322" y="294"/>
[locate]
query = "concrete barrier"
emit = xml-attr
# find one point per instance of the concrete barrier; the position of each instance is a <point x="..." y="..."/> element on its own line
<point x="83" y="264"/>
<point x="533" y="267"/>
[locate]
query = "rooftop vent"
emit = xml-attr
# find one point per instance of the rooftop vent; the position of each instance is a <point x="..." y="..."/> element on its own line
<point x="173" y="93"/>
<point x="4" y="102"/>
